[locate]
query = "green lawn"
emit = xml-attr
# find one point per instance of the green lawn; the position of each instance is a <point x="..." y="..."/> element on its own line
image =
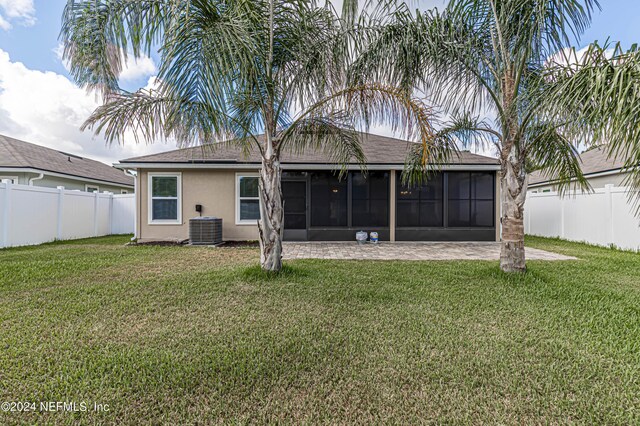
<point x="183" y="335"/>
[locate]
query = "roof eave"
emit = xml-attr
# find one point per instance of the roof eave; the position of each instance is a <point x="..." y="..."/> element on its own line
<point x="20" y="169"/>
<point x="292" y="166"/>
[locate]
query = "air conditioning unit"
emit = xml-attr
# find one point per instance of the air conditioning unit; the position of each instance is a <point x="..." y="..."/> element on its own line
<point x="205" y="231"/>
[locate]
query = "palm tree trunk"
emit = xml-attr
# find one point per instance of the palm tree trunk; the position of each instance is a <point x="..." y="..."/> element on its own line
<point x="513" y="191"/>
<point x="271" y="215"/>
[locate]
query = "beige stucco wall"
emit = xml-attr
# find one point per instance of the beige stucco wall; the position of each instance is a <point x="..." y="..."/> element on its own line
<point x="213" y="189"/>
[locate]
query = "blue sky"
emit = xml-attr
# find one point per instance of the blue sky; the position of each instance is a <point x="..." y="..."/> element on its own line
<point x="38" y="103"/>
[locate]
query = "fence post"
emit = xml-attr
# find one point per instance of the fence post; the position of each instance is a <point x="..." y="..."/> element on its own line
<point x="135" y="206"/>
<point x="96" y="194"/>
<point x="110" y="213"/>
<point x="561" y="216"/>
<point x="527" y="215"/>
<point x="609" y="215"/>
<point x="7" y="211"/>
<point x="60" y="212"/>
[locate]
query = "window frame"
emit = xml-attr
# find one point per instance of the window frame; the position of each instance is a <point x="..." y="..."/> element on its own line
<point x="243" y="222"/>
<point x="88" y="185"/>
<point x="178" y="198"/>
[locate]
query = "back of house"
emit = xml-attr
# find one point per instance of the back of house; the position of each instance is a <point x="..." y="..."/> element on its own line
<point x="457" y="203"/>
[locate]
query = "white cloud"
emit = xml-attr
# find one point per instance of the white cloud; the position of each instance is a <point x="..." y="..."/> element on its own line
<point x="574" y="57"/>
<point x="4" y="24"/>
<point x="21" y="11"/>
<point x="48" y="109"/>
<point x="134" y="69"/>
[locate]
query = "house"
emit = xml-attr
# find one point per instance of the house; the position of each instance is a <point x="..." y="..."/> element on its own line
<point x="29" y="164"/>
<point x="457" y="204"/>
<point x="597" y="167"/>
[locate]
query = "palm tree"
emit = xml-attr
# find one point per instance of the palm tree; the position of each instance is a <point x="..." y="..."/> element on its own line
<point x="512" y="61"/>
<point x="233" y="69"/>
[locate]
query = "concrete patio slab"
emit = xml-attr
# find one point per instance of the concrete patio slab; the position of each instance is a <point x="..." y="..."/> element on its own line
<point x="407" y="251"/>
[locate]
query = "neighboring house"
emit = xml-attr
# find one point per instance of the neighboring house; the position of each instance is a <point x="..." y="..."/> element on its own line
<point x="29" y="164"/>
<point x="605" y="215"/>
<point x="599" y="169"/>
<point x="459" y="203"/>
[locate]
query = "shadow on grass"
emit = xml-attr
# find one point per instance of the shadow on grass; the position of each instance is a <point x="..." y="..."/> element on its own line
<point x="256" y="273"/>
<point x="107" y="240"/>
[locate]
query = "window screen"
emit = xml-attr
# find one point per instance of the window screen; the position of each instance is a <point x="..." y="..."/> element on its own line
<point x="370" y="199"/>
<point x="248" y="199"/>
<point x="294" y="194"/>
<point x="471" y="199"/>
<point x="421" y="206"/>
<point x="328" y="200"/>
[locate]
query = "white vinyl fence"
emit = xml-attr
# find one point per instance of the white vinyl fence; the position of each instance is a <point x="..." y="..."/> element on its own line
<point x="603" y="218"/>
<point x="34" y="215"/>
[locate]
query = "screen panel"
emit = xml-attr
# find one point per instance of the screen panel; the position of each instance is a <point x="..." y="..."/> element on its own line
<point x="421" y="205"/>
<point x="471" y="201"/>
<point x="370" y="199"/>
<point x="328" y="200"/>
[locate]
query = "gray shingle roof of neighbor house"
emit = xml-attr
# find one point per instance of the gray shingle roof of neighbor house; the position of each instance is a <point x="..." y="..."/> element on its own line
<point x="596" y="160"/>
<point x="377" y="149"/>
<point x="18" y="154"/>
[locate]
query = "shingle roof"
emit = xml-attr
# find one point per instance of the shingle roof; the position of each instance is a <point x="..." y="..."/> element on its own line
<point x="378" y="150"/>
<point x="19" y="154"/>
<point x="595" y="160"/>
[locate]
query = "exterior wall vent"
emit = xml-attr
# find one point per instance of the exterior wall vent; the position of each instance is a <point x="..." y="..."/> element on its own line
<point x="205" y="231"/>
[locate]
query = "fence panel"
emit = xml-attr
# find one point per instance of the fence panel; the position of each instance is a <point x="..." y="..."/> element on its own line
<point x="29" y="220"/>
<point x="124" y="214"/>
<point x="586" y="218"/>
<point x="625" y="224"/>
<point x="77" y="215"/>
<point x="604" y="217"/>
<point x="34" y="215"/>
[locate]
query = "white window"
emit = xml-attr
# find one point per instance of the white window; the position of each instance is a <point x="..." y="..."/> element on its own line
<point x="247" y="200"/>
<point x="92" y="188"/>
<point x="165" y="198"/>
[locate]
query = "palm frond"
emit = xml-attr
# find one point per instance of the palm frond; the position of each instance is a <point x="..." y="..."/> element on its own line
<point x="598" y="99"/>
<point x="331" y="135"/>
<point x="378" y="104"/>
<point x="556" y="157"/>
<point x="99" y="34"/>
<point x="150" y="115"/>
<point x="464" y="130"/>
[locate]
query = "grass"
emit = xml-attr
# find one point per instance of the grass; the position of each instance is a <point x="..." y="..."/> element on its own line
<point x="181" y="335"/>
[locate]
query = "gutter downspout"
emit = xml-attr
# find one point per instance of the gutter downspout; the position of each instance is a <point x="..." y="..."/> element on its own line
<point x="33" y="179"/>
<point x="135" y="190"/>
